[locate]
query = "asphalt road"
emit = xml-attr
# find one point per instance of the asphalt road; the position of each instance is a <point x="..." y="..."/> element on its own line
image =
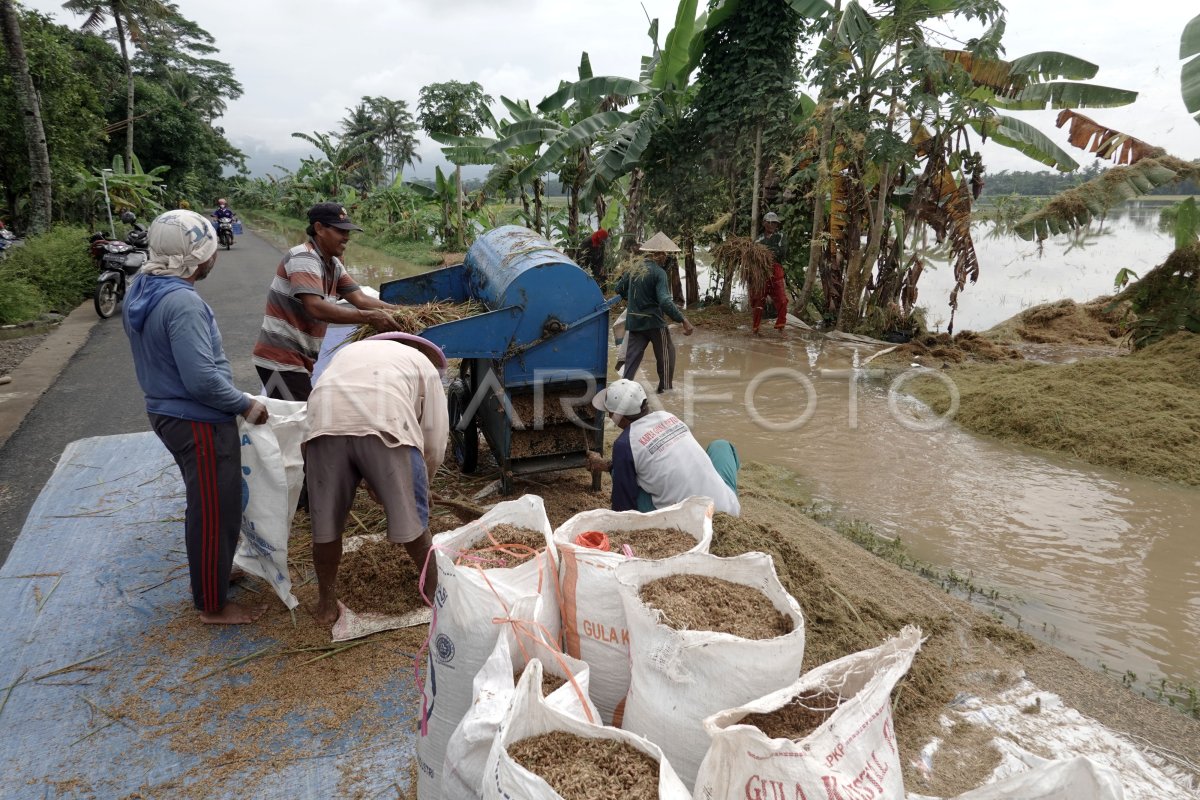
<point x="97" y="393"/>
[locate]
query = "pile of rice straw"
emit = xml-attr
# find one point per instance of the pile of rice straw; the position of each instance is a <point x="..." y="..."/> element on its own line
<point x="416" y="318"/>
<point x="747" y="260"/>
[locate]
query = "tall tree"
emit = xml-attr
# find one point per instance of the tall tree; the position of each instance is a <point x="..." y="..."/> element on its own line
<point x="397" y="134"/>
<point x="454" y="109"/>
<point x="129" y="16"/>
<point x="35" y="134"/>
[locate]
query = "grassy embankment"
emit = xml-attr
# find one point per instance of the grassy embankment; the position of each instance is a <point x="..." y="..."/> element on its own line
<point x="50" y="272"/>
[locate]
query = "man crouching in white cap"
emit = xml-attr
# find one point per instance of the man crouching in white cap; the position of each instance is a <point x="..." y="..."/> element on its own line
<point x="656" y="462"/>
<point x="192" y="402"/>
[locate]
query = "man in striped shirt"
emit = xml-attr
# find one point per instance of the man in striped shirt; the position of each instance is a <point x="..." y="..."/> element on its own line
<point x="302" y="302"/>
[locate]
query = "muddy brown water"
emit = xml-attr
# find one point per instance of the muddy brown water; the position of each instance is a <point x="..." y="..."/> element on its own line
<point x="1100" y="563"/>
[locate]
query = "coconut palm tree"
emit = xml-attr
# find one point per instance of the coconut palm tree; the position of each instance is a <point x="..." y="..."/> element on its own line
<point x="128" y="17"/>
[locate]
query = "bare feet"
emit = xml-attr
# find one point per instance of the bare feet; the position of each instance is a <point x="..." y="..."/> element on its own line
<point x="233" y="614"/>
<point x="327" y="613"/>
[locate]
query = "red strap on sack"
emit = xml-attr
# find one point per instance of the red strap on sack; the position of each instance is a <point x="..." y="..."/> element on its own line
<point x="596" y="540"/>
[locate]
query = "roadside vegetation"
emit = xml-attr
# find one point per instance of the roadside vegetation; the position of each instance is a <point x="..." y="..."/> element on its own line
<point x="50" y="272"/>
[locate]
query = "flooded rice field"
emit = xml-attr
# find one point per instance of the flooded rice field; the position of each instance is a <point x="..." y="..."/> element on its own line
<point x="1100" y="563"/>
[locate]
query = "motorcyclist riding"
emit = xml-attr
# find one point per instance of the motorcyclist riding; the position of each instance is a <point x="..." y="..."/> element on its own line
<point x="223" y="221"/>
<point x="223" y="211"/>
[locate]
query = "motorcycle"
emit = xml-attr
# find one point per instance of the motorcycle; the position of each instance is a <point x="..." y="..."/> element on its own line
<point x="118" y="261"/>
<point x="225" y="232"/>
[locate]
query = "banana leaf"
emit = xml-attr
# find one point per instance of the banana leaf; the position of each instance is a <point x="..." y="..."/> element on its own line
<point x="1189" y="77"/>
<point x="1024" y="138"/>
<point x="1059" y="94"/>
<point x="1050" y="64"/>
<point x="592" y="89"/>
<point x="675" y="54"/>
<point x="579" y="135"/>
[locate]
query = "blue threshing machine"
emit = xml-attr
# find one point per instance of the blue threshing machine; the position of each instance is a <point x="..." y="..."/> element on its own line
<point x="530" y="363"/>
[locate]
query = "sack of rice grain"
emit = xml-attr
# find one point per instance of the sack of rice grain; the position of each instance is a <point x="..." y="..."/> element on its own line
<point x="272" y="476"/>
<point x="705" y="634"/>
<point x="379" y="587"/>
<point x="564" y="684"/>
<point x="592" y="616"/>
<point x="542" y="753"/>
<point x="830" y="733"/>
<point x="481" y="574"/>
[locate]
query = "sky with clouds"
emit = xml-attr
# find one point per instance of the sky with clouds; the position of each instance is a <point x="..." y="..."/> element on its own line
<point x="304" y="62"/>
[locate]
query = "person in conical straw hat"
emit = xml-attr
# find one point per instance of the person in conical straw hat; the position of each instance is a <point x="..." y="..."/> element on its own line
<point x="648" y="296"/>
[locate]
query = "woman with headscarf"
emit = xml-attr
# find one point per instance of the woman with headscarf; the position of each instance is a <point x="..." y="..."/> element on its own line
<point x="191" y="400"/>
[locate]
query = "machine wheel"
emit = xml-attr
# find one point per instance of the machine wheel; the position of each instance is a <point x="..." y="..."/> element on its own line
<point x="466" y="441"/>
<point x="106" y="299"/>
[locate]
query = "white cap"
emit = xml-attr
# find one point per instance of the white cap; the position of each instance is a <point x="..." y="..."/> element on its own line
<point x="624" y="397"/>
<point x="771" y="217"/>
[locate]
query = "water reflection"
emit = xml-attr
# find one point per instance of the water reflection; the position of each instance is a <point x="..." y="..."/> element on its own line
<point x="1104" y="563"/>
<point x="1014" y="275"/>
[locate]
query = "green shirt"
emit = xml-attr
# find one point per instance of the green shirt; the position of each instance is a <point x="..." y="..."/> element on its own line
<point x="778" y="244"/>
<point x="646" y="291"/>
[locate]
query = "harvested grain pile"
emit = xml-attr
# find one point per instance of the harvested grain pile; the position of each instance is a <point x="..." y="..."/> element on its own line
<point x="583" y="769"/>
<point x="549" y="682"/>
<point x="703" y="603"/>
<point x="651" y="543"/>
<point x="748" y="261"/>
<point x="415" y="319"/>
<point x="506" y="546"/>
<point x="800" y="717"/>
<point x="935" y="349"/>
<point x="1099" y="321"/>
<point x="1138" y="412"/>
<point x="379" y="577"/>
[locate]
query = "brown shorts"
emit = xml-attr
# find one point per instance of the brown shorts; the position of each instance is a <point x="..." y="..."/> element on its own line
<point x="336" y="464"/>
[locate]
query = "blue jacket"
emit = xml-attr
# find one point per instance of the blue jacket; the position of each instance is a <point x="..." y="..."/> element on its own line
<point x="181" y="365"/>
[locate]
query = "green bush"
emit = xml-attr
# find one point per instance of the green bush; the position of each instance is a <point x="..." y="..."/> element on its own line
<point x="56" y="264"/>
<point x="19" y="300"/>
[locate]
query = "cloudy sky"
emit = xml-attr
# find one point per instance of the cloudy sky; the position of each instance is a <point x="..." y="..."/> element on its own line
<point x="304" y="62"/>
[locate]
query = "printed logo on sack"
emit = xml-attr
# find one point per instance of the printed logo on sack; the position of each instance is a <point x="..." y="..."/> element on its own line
<point x="444" y="648"/>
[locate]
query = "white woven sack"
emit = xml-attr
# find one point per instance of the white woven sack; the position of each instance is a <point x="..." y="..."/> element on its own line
<point x="463" y="633"/>
<point x="520" y="642"/>
<point x="852" y="754"/>
<point x="353" y="624"/>
<point x="680" y="677"/>
<point x="592" y="615"/>
<point x="530" y="715"/>
<point x="272" y="477"/>
<point x="1077" y="778"/>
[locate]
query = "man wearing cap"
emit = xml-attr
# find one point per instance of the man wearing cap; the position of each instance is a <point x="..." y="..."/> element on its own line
<point x="192" y="402"/>
<point x="775" y="240"/>
<point x="302" y="302"/>
<point x="645" y="290"/>
<point x="656" y="462"/>
<point x="377" y="413"/>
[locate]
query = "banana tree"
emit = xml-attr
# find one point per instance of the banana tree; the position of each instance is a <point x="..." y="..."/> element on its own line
<point x="132" y="190"/>
<point x="586" y="109"/>
<point x="889" y="185"/>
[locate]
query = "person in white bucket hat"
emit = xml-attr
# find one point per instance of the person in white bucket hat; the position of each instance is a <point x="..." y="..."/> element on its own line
<point x="646" y="291"/>
<point x="656" y="461"/>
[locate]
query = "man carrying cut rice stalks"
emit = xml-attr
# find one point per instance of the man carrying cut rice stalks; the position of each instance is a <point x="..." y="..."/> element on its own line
<point x="644" y="287"/>
<point x="774" y="238"/>
<point x="377" y="413"/>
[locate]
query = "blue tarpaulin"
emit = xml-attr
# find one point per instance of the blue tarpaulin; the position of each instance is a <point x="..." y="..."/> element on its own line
<point x="93" y="592"/>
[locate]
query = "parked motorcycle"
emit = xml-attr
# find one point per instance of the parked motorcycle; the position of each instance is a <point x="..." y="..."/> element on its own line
<point x="225" y="232"/>
<point x="118" y="261"/>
